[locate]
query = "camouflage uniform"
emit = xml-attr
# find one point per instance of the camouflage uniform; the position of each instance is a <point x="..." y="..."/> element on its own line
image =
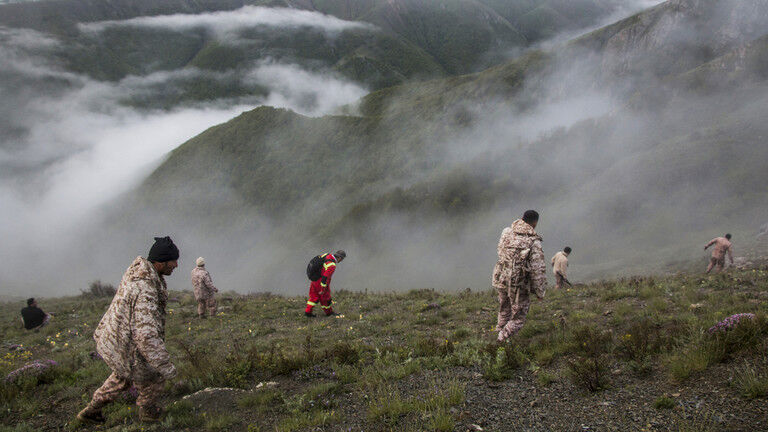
<point x="519" y="271"/>
<point x="131" y="339"/>
<point x="204" y="291"/>
<point x="722" y="246"/>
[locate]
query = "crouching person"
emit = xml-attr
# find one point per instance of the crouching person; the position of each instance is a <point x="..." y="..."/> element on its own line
<point x="131" y="335"/>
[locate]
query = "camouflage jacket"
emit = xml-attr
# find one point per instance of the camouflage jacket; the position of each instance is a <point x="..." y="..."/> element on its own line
<point x="203" y="284"/>
<point x="521" y="261"/>
<point x="131" y="335"/>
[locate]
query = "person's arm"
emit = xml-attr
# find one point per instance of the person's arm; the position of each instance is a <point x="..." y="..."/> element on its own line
<point x="538" y="270"/>
<point x="325" y="276"/>
<point x="147" y="331"/>
<point x="209" y="282"/>
<point x="730" y="253"/>
<point x="711" y="242"/>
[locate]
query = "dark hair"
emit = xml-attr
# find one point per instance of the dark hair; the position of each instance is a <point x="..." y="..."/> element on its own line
<point x="30" y="301"/>
<point x="340" y="254"/>
<point x="530" y="216"/>
<point x="728" y="236"/>
<point x="567" y="249"/>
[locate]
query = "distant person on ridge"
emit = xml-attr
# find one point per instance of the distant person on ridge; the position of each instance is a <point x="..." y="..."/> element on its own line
<point x="560" y="267"/>
<point x="33" y="317"/>
<point x="722" y="246"/>
<point x="204" y="289"/>
<point x="131" y="335"/>
<point x="319" y="270"/>
<point x="519" y="272"/>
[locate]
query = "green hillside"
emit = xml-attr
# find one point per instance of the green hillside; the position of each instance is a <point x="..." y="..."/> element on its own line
<point x="423" y="360"/>
<point x="423" y="171"/>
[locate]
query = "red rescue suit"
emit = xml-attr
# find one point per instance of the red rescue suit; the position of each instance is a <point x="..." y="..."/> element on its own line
<point x="320" y="290"/>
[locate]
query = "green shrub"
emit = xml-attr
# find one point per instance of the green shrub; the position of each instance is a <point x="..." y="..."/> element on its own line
<point x="588" y="367"/>
<point x="343" y="353"/>
<point x="501" y="362"/>
<point x="750" y="382"/>
<point x="664" y="402"/>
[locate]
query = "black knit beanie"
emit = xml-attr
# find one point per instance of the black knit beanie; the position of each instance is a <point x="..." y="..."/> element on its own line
<point x="163" y="250"/>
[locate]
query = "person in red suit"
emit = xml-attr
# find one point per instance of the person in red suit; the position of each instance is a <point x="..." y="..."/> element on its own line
<point x="320" y="290"/>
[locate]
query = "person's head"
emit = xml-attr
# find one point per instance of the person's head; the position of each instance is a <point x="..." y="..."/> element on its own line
<point x="164" y="255"/>
<point x="339" y="255"/>
<point x="728" y="236"/>
<point x="31" y="302"/>
<point x="567" y="250"/>
<point x="531" y="217"/>
<point x="200" y="262"/>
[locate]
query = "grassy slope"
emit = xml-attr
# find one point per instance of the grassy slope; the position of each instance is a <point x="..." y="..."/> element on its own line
<point x="424" y="360"/>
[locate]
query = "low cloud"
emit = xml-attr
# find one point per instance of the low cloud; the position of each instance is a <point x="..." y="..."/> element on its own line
<point x="231" y="22"/>
<point x="71" y="147"/>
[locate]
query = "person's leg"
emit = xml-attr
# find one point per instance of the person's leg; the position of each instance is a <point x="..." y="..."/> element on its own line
<point x="720" y="264"/>
<point x="211" y="305"/>
<point x="107" y="393"/>
<point x="326" y="303"/>
<point x="201" y="308"/>
<point x="505" y="311"/>
<point x="558" y="282"/>
<point x="313" y="299"/>
<point x="519" y="312"/>
<point x="712" y="262"/>
<point x="149" y="400"/>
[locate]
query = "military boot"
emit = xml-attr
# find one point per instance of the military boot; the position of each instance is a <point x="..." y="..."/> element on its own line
<point x="150" y="414"/>
<point x="91" y="416"/>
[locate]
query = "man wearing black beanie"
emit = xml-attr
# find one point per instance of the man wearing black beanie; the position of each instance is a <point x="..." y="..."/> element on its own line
<point x="131" y="335"/>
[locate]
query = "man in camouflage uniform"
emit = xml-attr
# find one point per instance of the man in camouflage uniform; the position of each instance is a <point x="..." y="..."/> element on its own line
<point x="519" y="272"/>
<point x="722" y="247"/>
<point x="131" y="335"/>
<point x="204" y="289"/>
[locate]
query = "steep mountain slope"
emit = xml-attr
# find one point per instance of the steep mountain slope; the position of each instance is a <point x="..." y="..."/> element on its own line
<point x="443" y="165"/>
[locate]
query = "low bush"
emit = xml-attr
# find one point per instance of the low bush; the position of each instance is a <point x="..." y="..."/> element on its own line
<point x="588" y="366"/>
<point x="97" y="289"/>
<point x="501" y="362"/>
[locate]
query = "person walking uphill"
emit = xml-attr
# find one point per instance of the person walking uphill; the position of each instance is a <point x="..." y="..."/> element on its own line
<point x="722" y="246"/>
<point x="131" y="335"/>
<point x="204" y="289"/>
<point x="519" y="272"/>
<point x="320" y="270"/>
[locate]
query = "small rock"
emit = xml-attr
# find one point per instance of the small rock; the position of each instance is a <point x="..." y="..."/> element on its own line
<point x="695" y="306"/>
<point x="675" y="394"/>
<point x="616" y="372"/>
<point x="533" y="403"/>
<point x="608" y="312"/>
<point x="474" y="427"/>
<point x="268" y="384"/>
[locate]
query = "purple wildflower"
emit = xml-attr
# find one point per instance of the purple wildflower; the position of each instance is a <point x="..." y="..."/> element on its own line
<point x="35" y="368"/>
<point x="730" y="322"/>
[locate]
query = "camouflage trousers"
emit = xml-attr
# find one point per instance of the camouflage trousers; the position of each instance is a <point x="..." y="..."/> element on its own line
<point x="716" y="262"/>
<point x="206" y="304"/>
<point x="559" y="281"/>
<point x="512" y="313"/>
<point x="114" y="386"/>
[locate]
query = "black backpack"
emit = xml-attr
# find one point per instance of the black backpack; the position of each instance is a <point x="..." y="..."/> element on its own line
<point x="315" y="267"/>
